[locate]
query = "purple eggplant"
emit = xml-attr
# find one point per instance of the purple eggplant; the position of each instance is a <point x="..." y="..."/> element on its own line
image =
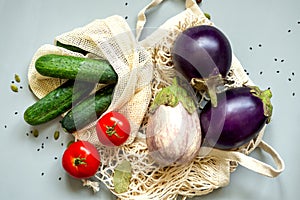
<point x="203" y="55"/>
<point x="241" y="113"/>
<point x="202" y="51"/>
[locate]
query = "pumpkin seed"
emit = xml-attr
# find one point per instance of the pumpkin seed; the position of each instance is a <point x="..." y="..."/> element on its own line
<point x="17" y="78"/>
<point x="14" y="88"/>
<point x="35" y="133"/>
<point x="207" y="16"/>
<point x="56" y="135"/>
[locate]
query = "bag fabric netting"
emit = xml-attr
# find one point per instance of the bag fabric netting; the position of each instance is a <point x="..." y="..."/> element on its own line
<point x="142" y="68"/>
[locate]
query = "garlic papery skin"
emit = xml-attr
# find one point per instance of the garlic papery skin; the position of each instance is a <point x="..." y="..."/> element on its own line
<point x="173" y="135"/>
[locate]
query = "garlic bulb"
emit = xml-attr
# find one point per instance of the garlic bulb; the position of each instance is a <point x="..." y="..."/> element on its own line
<point x="173" y="133"/>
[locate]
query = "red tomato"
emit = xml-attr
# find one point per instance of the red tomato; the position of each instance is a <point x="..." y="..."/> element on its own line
<point x="81" y="160"/>
<point x="113" y="129"/>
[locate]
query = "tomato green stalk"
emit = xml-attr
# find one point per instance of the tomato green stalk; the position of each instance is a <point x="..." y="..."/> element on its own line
<point x="79" y="161"/>
<point x="111" y="130"/>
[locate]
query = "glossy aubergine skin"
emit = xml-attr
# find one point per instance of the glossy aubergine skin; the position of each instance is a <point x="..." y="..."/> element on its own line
<point x="201" y="51"/>
<point x="236" y="120"/>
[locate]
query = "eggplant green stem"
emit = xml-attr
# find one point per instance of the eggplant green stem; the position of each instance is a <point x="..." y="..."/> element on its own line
<point x="265" y="96"/>
<point x="209" y="85"/>
<point x="171" y="96"/>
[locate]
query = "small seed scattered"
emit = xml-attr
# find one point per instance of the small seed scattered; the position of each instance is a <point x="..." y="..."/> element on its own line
<point x="13" y="87"/>
<point x="56" y="135"/>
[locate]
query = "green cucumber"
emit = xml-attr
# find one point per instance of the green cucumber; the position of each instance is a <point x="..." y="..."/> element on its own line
<point x="71" y="48"/>
<point x="88" y="110"/>
<point x="72" y="67"/>
<point x="57" y="102"/>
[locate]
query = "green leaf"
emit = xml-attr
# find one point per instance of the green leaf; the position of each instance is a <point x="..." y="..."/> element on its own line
<point x="122" y="176"/>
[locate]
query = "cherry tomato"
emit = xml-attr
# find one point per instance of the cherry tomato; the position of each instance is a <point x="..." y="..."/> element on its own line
<point x="81" y="160"/>
<point x="113" y="129"/>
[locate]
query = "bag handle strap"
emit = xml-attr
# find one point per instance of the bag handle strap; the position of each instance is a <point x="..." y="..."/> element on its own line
<point x="252" y="163"/>
<point x="141" y="18"/>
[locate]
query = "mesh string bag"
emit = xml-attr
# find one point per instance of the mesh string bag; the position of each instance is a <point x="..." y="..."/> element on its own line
<point x="142" y="68"/>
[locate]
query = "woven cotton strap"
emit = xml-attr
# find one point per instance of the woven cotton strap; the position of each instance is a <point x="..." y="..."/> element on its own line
<point x="141" y="19"/>
<point x="252" y="163"/>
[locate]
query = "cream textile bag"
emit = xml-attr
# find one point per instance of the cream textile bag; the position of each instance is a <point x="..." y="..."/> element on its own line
<point x="110" y="39"/>
<point x="141" y="67"/>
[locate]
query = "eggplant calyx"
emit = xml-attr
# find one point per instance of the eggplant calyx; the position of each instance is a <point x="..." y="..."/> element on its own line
<point x="265" y="96"/>
<point x="210" y="85"/>
<point x="173" y="95"/>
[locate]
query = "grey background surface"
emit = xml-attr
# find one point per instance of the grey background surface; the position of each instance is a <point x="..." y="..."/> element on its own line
<point x="265" y="36"/>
